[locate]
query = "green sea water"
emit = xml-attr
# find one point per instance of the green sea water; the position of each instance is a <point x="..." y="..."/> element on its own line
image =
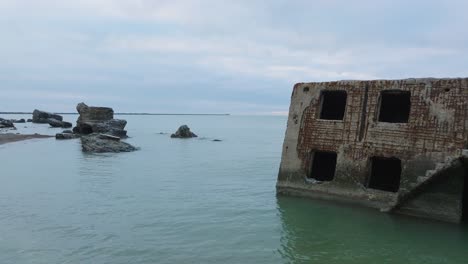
<point x="190" y="201"/>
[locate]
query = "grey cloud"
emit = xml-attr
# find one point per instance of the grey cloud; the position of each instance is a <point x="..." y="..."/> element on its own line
<point x="151" y="48"/>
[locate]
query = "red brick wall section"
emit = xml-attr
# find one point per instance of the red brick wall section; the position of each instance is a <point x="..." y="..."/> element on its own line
<point x="437" y="122"/>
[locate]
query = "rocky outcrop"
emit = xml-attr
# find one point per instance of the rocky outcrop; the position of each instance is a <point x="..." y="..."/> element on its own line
<point x="66" y="136"/>
<point x="18" y="120"/>
<point x="183" y="132"/>
<point x="113" y="127"/>
<point x="99" y="131"/>
<point x="42" y="117"/>
<point x="98" y="120"/>
<point x="101" y="143"/>
<point x="4" y="123"/>
<point x="56" y="123"/>
<point x="94" y="113"/>
<point x="29" y="120"/>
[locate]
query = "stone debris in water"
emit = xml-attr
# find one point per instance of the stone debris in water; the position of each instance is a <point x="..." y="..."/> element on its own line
<point x="99" y="120"/>
<point x="4" y="123"/>
<point x="54" y="120"/>
<point x="42" y="117"/>
<point x="183" y="132"/>
<point x="98" y="143"/>
<point x="57" y="123"/>
<point x="18" y="120"/>
<point x="66" y="136"/>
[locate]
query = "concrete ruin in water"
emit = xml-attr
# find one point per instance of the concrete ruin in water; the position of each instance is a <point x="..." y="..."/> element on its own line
<point x="396" y="145"/>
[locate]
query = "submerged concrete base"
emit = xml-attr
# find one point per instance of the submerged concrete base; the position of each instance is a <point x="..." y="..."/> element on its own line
<point x="441" y="199"/>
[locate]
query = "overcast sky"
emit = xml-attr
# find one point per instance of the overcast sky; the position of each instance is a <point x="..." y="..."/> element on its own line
<point x="215" y="56"/>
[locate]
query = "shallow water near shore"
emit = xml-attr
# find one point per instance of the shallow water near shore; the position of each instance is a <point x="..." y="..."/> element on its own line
<point x="190" y="201"/>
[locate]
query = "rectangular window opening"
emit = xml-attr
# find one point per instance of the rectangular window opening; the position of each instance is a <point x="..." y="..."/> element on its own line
<point x="385" y="174"/>
<point x="395" y="106"/>
<point x="333" y="105"/>
<point x="323" y="166"/>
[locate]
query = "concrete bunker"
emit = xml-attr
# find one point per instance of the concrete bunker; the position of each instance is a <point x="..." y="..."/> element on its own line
<point x="385" y="174"/>
<point x="323" y="166"/>
<point x="395" y="106"/>
<point x="399" y="146"/>
<point x="465" y="198"/>
<point x="333" y="105"/>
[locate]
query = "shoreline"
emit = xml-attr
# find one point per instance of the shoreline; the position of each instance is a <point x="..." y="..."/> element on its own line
<point x="11" y="137"/>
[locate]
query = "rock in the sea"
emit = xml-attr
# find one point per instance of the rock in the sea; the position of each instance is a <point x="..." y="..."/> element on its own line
<point x="29" y="120"/>
<point x="42" y="117"/>
<point x="18" y="120"/>
<point x="183" y="132"/>
<point x="4" y="123"/>
<point x="98" y="120"/>
<point x="56" y="123"/>
<point x="217" y="140"/>
<point x="94" y="113"/>
<point x="66" y="136"/>
<point x="113" y="127"/>
<point x="68" y="131"/>
<point x="99" y="143"/>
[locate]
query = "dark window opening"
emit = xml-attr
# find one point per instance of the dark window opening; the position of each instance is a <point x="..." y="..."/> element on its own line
<point x="333" y="105"/>
<point x="395" y="106"/>
<point x="465" y="198"/>
<point x="385" y="174"/>
<point x="323" y="166"/>
<point x="306" y="89"/>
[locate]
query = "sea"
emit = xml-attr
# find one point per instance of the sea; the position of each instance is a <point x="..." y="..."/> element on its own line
<point x="190" y="201"/>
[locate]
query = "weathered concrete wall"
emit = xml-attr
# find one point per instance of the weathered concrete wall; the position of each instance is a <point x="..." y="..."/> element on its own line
<point x="437" y="129"/>
<point x="441" y="200"/>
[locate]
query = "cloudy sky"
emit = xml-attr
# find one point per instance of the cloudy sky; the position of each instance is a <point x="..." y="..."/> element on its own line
<point x="215" y="56"/>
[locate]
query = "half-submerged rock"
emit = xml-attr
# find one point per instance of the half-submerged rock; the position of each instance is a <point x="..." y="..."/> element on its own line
<point x="99" y="120"/>
<point x="183" y="132"/>
<point x="66" y="136"/>
<point x="4" y="123"/>
<point x="42" y="117"/>
<point x="57" y="123"/>
<point x="102" y="143"/>
<point x="18" y="120"/>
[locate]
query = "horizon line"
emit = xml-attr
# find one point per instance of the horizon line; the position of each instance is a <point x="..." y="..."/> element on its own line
<point x="122" y="113"/>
